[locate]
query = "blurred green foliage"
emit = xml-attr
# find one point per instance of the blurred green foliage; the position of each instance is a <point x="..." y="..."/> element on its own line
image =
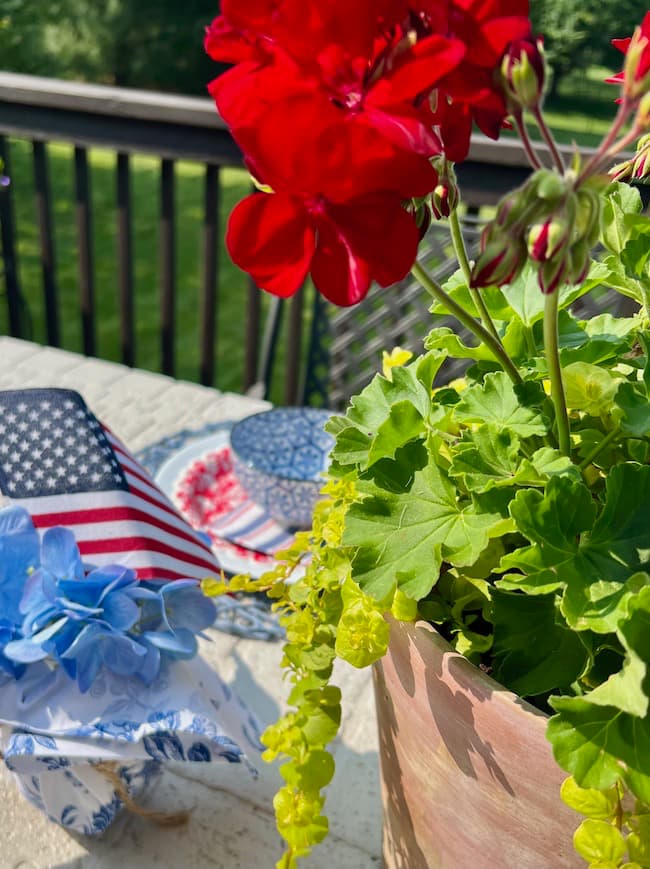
<point x="157" y="44"/>
<point x="154" y="44"/>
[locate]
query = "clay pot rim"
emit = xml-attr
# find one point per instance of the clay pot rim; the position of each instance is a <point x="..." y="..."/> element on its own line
<point x="453" y="659"/>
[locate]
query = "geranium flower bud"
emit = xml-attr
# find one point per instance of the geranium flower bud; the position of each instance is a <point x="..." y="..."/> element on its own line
<point x="548" y="239"/>
<point x="445" y="195"/>
<point x="580" y="261"/>
<point x="523" y="73"/>
<point x="622" y="171"/>
<point x="501" y="259"/>
<point x="585" y="214"/>
<point x="553" y="273"/>
<point x="641" y="163"/>
<point x="444" y="200"/>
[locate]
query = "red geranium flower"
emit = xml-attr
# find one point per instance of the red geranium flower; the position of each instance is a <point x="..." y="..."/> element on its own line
<point x="365" y="64"/>
<point x="336" y="210"/>
<point x="635" y="76"/>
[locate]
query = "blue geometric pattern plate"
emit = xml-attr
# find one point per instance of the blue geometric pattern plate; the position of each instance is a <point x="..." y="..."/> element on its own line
<point x="280" y="456"/>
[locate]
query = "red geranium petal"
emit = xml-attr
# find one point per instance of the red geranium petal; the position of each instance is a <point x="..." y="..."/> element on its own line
<point x="337" y="273"/>
<point x="271" y="237"/>
<point x="427" y="62"/>
<point x="379" y="231"/>
<point x="371" y="238"/>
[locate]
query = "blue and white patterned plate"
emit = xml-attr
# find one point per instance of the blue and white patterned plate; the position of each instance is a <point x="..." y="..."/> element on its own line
<point x="280" y="456"/>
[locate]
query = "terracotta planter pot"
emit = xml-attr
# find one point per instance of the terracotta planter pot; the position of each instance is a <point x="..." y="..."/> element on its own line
<point x="468" y="778"/>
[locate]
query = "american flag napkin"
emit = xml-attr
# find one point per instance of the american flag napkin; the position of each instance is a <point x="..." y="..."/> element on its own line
<point x="63" y="466"/>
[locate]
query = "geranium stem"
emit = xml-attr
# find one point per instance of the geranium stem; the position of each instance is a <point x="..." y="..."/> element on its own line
<point x="552" y="350"/>
<point x="461" y="254"/>
<point x="598" y="449"/>
<point x="522" y="131"/>
<point x="495" y="346"/>
<point x="550" y="141"/>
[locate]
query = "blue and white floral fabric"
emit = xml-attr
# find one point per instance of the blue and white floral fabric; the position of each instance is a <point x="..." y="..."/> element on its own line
<point x="52" y="736"/>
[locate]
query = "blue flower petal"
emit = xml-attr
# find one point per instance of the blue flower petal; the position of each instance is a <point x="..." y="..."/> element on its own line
<point x="88" y="667"/>
<point x="181" y="643"/>
<point x="60" y="554"/>
<point x="187" y="607"/>
<point x="122" y="655"/>
<point x="120" y="611"/>
<point x="24" y="651"/>
<point x="87" y="638"/>
<point x="33" y="596"/>
<point x="15" y="520"/>
<point x="150" y="665"/>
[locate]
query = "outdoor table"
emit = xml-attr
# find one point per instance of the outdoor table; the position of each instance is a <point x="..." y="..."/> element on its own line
<point x="231" y="821"/>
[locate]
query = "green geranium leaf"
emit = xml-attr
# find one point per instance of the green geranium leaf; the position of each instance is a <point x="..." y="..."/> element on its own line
<point x="586" y="441"/>
<point x="403" y="538"/>
<point x="515" y="340"/>
<point x="396" y="475"/>
<point x="548" y="462"/>
<point x="571" y="333"/>
<point x="608" y="328"/>
<point x="563" y="555"/>
<point x="620" y="201"/>
<point x="386" y="414"/>
<point x="488" y="457"/>
<point x="534" y="652"/>
<point x="637" y="249"/>
<point x="591" y="742"/>
<point x="589" y="388"/>
<point x="603" y="604"/>
<point x="404" y="422"/>
<point x="444" y="339"/>
<point x="618" y="546"/>
<point x="635" y="408"/>
<point x="553" y="522"/>
<point x="352" y="444"/>
<point x="456" y="287"/>
<point x="625" y="688"/>
<point x="599" y="842"/>
<point x="644" y="340"/>
<point x="496" y="402"/>
<point x="618" y="279"/>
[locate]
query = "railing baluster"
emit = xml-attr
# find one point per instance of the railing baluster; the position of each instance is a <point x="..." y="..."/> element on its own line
<point x="252" y="336"/>
<point x="208" y="290"/>
<point x="9" y="254"/>
<point x="294" y="345"/>
<point x="84" y="235"/>
<point x="167" y="265"/>
<point x="44" y="213"/>
<point x="125" y="260"/>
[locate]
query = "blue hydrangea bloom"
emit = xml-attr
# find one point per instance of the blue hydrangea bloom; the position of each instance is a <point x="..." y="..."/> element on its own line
<point x="19" y="554"/>
<point x="172" y="619"/>
<point x="87" y="621"/>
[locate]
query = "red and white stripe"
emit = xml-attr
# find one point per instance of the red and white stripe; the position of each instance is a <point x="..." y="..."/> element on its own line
<point x="139" y="529"/>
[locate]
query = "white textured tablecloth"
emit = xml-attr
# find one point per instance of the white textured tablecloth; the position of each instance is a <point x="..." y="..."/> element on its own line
<point x="232" y="822"/>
